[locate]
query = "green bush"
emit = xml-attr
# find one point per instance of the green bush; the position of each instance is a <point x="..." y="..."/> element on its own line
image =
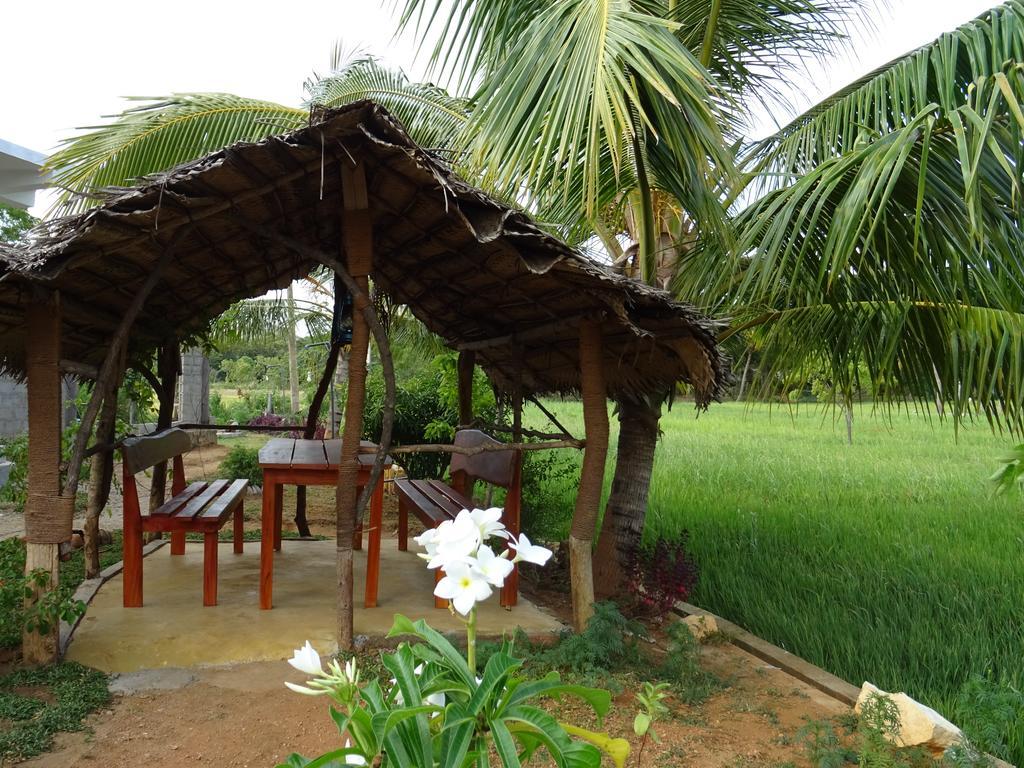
<point x="426" y="410"/>
<point x="549" y="481"/>
<point x="15" y="450"/>
<point x="15" y="586"/>
<point x="242" y="463"/>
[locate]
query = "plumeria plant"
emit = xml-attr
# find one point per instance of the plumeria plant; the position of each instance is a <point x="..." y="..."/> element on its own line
<point x="438" y="710"/>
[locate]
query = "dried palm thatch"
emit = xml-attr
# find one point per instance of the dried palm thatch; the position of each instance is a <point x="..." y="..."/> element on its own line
<point x="253" y="217"/>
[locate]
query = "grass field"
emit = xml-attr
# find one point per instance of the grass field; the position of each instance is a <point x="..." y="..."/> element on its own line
<point x="886" y="560"/>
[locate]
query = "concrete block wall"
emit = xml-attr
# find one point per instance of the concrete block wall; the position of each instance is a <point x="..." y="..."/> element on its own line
<point x="13" y="407"/>
<point x="194" y="406"/>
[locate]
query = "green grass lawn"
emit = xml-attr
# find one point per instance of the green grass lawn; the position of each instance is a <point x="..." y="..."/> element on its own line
<point x="887" y="560"/>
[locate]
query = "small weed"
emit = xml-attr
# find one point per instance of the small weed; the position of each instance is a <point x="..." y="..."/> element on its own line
<point x="75" y="691"/>
<point x="691" y="683"/>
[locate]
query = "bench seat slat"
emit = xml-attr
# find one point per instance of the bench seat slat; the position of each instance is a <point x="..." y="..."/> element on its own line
<point x="196" y="505"/>
<point x="454" y="496"/>
<point x="225" y="503"/>
<point x="426" y="510"/>
<point x="439" y="499"/>
<point x="171" y="506"/>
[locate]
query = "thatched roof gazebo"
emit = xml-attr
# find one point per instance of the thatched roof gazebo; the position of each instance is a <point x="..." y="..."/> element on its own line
<point x="154" y="264"/>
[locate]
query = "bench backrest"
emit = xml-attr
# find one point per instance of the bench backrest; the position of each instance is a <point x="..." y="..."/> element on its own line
<point x="140" y="453"/>
<point x="495" y="467"/>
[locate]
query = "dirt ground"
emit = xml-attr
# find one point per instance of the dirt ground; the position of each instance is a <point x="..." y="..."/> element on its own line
<point x="243" y="716"/>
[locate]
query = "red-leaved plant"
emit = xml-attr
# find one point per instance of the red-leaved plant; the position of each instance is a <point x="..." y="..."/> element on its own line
<point x="658" y="577"/>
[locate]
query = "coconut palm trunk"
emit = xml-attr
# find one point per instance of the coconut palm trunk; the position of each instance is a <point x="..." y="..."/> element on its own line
<point x="626" y="511"/>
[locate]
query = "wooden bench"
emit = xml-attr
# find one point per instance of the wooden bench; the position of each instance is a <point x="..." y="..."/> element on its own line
<point x="433" y="501"/>
<point x="201" y="507"/>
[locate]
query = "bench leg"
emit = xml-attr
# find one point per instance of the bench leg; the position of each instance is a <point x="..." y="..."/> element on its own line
<point x="403" y="524"/>
<point x="238" y="534"/>
<point x="373" y="546"/>
<point x="439" y="602"/>
<point x="177" y="542"/>
<point x="267" y="542"/>
<point x="132" y="564"/>
<point x="278" y="514"/>
<point x="210" y="568"/>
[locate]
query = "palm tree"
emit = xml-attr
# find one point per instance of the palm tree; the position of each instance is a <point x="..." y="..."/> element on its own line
<point x="885" y="224"/>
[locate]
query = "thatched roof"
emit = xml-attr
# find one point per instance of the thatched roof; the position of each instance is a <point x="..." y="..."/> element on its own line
<point x="473" y="270"/>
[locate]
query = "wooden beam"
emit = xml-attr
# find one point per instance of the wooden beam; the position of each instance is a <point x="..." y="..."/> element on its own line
<point x="82" y="370"/>
<point x="530" y="334"/>
<point x="588" y="497"/>
<point x="108" y="373"/>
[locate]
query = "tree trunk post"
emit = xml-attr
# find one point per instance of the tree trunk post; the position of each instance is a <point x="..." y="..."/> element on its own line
<point x="466" y="363"/>
<point x="101" y="474"/>
<point x="358" y="246"/>
<point x="588" y="497"/>
<point x="48" y="514"/>
<point x="310" y="431"/>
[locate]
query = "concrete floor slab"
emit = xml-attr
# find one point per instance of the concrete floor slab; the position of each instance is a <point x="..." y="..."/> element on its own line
<point x="173" y="629"/>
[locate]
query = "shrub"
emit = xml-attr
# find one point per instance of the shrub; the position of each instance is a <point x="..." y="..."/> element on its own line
<point x="988" y="711"/>
<point x="15" y="586"/>
<point x="15" y="450"/>
<point x="242" y="463"/>
<point x="547" y="492"/>
<point x="608" y="644"/>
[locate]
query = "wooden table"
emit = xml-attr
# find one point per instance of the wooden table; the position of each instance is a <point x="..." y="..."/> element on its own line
<point x="287" y="461"/>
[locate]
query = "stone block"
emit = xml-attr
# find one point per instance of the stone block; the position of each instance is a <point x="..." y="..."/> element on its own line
<point x="701" y="627"/>
<point x="920" y="726"/>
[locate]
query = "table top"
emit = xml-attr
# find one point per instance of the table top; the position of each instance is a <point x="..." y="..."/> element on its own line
<point x="287" y="452"/>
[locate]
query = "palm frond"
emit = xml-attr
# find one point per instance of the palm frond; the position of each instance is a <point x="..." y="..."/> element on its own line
<point x="583" y="79"/>
<point x="159" y="135"/>
<point x="268" y="318"/>
<point x="754" y="46"/>
<point x="941" y="77"/>
<point x="432" y="117"/>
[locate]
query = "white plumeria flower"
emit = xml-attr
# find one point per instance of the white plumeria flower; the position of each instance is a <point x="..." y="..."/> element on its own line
<point x="489" y="523"/>
<point x="304" y="690"/>
<point x="457" y="540"/>
<point x="306" y="659"/>
<point x="353" y="759"/>
<point x="530" y="553"/>
<point x="427" y="540"/>
<point x="493" y="568"/>
<point x="463" y="585"/>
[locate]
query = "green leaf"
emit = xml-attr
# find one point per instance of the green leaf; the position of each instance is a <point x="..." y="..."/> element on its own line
<point x="451" y="658"/>
<point x="641" y="723"/>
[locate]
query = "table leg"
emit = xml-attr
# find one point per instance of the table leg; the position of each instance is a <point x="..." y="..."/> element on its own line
<point x="278" y="514"/>
<point x="267" y="523"/>
<point x="373" y="546"/>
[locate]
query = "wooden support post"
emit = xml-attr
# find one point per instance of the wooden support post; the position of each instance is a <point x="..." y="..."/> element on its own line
<point x="466" y="364"/>
<point x="588" y="497"/>
<point x="47" y="514"/>
<point x="358" y="245"/>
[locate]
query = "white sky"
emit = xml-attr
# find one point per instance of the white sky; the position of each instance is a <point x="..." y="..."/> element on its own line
<point x="66" y="63"/>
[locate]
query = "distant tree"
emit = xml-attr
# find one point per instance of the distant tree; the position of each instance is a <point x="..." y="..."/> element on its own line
<point x="14" y="222"/>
